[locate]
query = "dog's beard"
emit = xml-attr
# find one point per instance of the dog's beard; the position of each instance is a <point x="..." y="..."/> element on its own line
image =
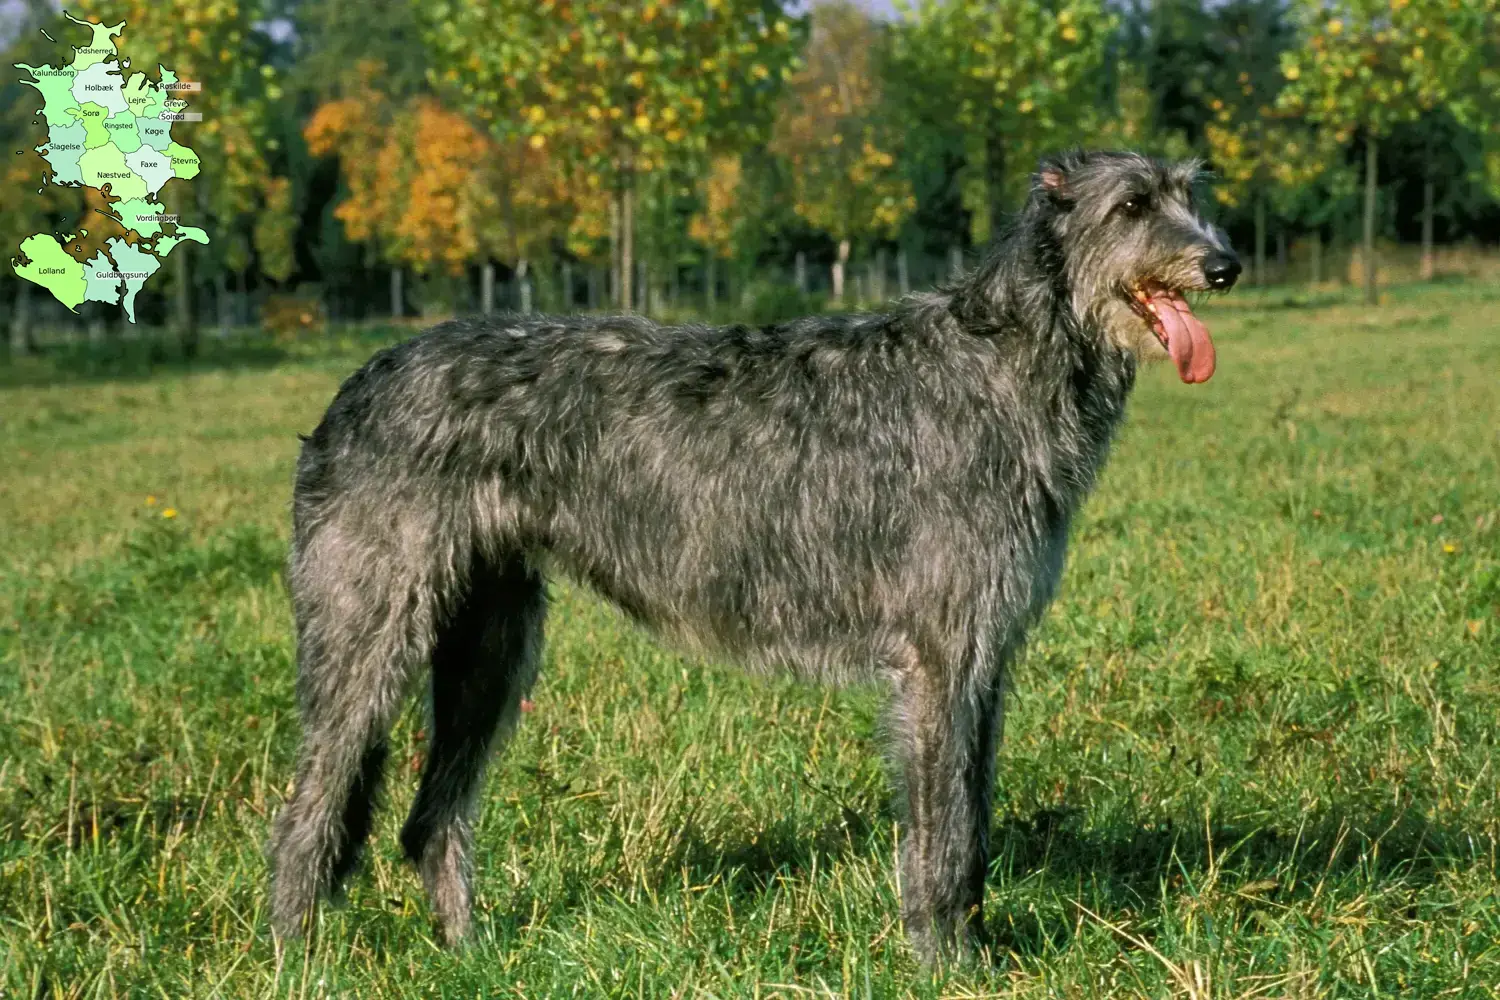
<point x="1125" y="330"/>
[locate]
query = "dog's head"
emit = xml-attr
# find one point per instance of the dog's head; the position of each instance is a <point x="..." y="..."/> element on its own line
<point x="1133" y="243"/>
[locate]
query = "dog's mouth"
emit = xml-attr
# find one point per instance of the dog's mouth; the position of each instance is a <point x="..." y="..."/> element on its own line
<point x="1183" y="334"/>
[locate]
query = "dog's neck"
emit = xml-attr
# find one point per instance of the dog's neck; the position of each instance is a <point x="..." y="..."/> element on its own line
<point x="1021" y="294"/>
<point x="1019" y="299"/>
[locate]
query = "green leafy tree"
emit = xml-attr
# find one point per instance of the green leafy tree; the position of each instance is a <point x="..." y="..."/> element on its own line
<point x="1137" y="121"/>
<point x="1017" y="78"/>
<point x="1367" y="66"/>
<point x="1469" y="51"/>
<point x="1179" y="49"/>
<point x="275" y="231"/>
<point x="337" y="39"/>
<point x="1264" y="158"/>
<point x="841" y="148"/>
<point x="718" y="223"/>
<point x="616" y="89"/>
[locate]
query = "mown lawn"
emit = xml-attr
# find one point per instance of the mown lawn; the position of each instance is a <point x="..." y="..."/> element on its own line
<point x="1251" y="754"/>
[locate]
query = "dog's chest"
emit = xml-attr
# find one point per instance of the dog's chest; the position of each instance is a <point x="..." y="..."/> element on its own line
<point x="1060" y="452"/>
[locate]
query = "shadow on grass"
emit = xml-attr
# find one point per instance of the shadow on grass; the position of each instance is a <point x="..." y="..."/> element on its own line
<point x="1121" y="869"/>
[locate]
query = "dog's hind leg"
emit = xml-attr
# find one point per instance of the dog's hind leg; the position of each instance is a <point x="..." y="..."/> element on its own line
<point x="945" y="746"/>
<point x="363" y="627"/>
<point x="485" y="660"/>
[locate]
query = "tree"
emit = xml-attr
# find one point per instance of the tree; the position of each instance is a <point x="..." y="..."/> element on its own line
<point x="1137" y="120"/>
<point x="832" y="130"/>
<point x="429" y="189"/>
<point x="1017" y="78"/>
<point x="1470" y="64"/>
<point x="1265" y="158"/>
<point x="337" y="39"/>
<point x="714" y="225"/>
<point x="1247" y="139"/>
<point x="717" y="223"/>
<point x="1179" y="48"/>
<point x="1366" y="66"/>
<point x="613" y="89"/>
<point x="275" y="231"/>
<point x="516" y="201"/>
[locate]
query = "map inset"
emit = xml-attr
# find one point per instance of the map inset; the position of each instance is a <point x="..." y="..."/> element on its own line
<point x="111" y="132"/>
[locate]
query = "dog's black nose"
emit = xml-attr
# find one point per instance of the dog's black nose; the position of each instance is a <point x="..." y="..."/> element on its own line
<point x="1221" y="269"/>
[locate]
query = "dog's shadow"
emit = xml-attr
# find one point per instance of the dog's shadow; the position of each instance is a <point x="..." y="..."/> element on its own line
<point x="1127" y="868"/>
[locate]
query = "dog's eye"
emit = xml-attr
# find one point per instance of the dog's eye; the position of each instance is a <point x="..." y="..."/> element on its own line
<point x="1135" y="205"/>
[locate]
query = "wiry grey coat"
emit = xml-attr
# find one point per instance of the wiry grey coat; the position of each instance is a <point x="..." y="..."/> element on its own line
<point x="862" y="497"/>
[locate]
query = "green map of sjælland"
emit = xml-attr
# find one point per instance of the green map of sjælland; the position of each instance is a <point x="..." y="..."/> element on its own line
<point x="114" y="133"/>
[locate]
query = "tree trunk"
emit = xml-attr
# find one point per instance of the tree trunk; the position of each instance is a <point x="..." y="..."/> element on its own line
<point x="221" y="294"/>
<point x="1372" y="292"/>
<point x="903" y="277"/>
<point x="1317" y="256"/>
<point x="838" y="271"/>
<point x="627" y="240"/>
<point x="593" y="289"/>
<point x="396" y="296"/>
<point x="711" y="285"/>
<point x="1260" y="240"/>
<point x="643" y="287"/>
<point x="1427" y="199"/>
<point x="614" y="250"/>
<point x="20" y="320"/>
<point x="566" y="304"/>
<point x="878" y="292"/>
<point x="187" y="322"/>
<point x="994" y="168"/>
<point x="955" y="262"/>
<point x="523" y="283"/>
<point x="799" y="271"/>
<point x="1281" y="254"/>
<point x="487" y="288"/>
<point x="674" y="289"/>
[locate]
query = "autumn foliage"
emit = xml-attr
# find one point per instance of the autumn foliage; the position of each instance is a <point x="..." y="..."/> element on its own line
<point x="841" y="151"/>
<point x="429" y="187"/>
<point x="715" y="224"/>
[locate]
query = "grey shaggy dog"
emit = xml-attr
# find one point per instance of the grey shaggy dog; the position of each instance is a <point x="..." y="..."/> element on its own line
<point x="871" y="497"/>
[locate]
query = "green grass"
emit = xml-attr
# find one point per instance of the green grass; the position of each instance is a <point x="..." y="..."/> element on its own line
<point x="1251" y="751"/>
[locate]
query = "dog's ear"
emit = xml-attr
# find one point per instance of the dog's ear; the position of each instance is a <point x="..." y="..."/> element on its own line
<point x="1051" y="182"/>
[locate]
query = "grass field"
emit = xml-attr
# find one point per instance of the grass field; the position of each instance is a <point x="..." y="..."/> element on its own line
<point x="1251" y="754"/>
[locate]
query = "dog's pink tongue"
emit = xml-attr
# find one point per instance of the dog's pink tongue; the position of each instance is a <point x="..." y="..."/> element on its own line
<point x="1187" y="337"/>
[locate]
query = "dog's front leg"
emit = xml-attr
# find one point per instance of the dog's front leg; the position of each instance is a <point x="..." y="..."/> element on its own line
<point x="946" y="736"/>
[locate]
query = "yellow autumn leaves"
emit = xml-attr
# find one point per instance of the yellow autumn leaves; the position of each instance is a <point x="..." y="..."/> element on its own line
<point x="845" y="180"/>
<point x="714" y="225"/>
<point x="430" y="188"/>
